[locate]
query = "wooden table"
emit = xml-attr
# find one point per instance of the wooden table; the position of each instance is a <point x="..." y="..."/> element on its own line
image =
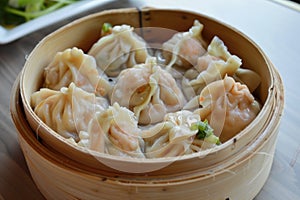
<point x="274" y="27"/>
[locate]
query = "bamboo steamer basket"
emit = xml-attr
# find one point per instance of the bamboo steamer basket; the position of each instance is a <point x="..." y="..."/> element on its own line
<point x="237" y="169"/>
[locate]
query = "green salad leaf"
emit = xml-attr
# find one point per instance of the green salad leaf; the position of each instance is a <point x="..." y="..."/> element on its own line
<point x="7" y="19"/>
<point x="15" y="12"/>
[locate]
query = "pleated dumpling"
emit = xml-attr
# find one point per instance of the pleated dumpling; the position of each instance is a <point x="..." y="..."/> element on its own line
<point x="228" y="105"/>
<point x="211" y="67"/>
<point x="184" y="48"/>
<point x="67" y="111"/>
<point x="177" y="135"/>
<point x="120" y="49"/>
<point x="149" y="91"/>
<point x="217" y="49"/>
<point x="172" y="137"/>
<point x="73" y="65"/>
<point x="115" y="132"/>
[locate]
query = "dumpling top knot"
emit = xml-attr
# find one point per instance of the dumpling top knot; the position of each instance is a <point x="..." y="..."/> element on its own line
<point x="121" y="28"/>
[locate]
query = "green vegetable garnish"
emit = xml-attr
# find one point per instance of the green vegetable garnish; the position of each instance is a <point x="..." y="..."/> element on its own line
<point x="15" y="12"/>
<point x="205" y="132"/>
<point x="106" y="29"/>
<point x="213" y="139"/>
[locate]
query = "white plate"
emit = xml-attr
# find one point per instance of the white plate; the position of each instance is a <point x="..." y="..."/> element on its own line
<point x="9" y="35"/>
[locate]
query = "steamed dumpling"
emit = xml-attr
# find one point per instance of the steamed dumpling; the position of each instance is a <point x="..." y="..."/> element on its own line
<point x="228" y="105"/>
<point x="73" y="65"/>
<point x="67" y="111"/>
<point x="149" y="91"/>
<point x="214" y="66"/>
<point x="184" y="48"/>
<point x="115" y="132"/>
<point x="216" y="51"/>
<point x="172" y="137"/>
<point x="118" y="100"/>
<point x="119" y="50"/>
<point x="245" y="76"/>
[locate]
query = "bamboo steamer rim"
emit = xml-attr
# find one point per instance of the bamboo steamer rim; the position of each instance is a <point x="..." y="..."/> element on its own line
<point x="228" y="144"/>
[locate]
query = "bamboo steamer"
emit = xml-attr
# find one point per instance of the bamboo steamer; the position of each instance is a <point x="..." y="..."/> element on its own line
<point x="236" y="169"/>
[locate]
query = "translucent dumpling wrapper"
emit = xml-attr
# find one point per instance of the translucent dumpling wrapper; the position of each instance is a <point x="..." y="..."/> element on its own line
<point x="212" y="67"/>
<point x="203" y="63"/>
<point x="114" y="132"/>
<point x="245" y="76"/>
<point x="73" y="65"/>
<point x="184" y="48"/>
<point x="119" y="50"/>
<point x="172" y="137"/>
<point x="216" y="51"/>
<point x="149" y="91"/>
<point x="228" y="106"/>
<point x="67" y="111"/>
<point x="248" y="77"/>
